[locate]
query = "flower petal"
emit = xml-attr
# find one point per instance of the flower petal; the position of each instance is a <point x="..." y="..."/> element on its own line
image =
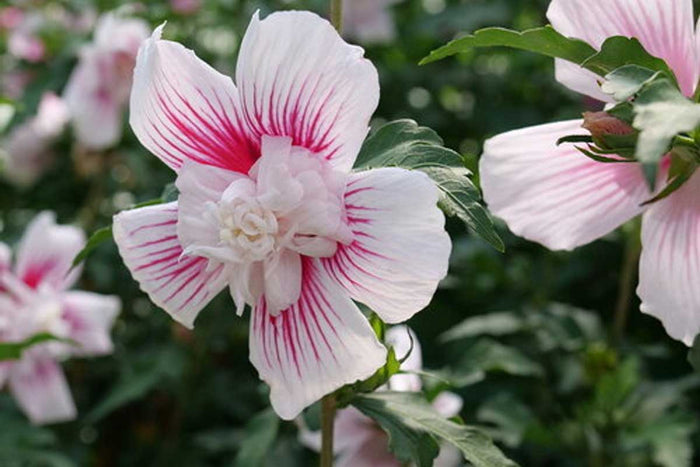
<point x="298" y="78"/>
<point x="553" y="194"/>
<point x="664" y="28"/>
<point x="46" y="252"/>
<point x="40" y="388"/>
<point x="90" y="317"/>
<point x="404" y="340"/>
<point x="181" y="108"/>
<point x="314" y="347"/>
<point x="282" y="281"/>
<point x="400" y="249"/>
<point x="669" y="269"/>
<point x="182" y="285"/>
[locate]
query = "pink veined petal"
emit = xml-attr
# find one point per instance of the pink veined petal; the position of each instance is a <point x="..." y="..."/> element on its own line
<point x="90" y="317"/>
<point x="198" y="185"/>
<point x="41" y="390"/>
<point x="404" y="340"/>
<point x="298" y="78"/>
<point x="665" y="29"/>
<point x="669" y="269"/>
<point x="400" y="250"/>
<point x="182" y="285"/>
<point x="314" y="347"/>
<point x="46" y="252"/>
<point x="555" y="195"/>
<point x="580" y="80"/>
<point x="96" y="112"/>
<point x="181" y="108"/>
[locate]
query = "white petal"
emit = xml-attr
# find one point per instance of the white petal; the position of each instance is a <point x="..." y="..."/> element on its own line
<point x="181" y="108"/>
<point x="665" y="29"/>
<point x="298" y="78"/>
<point x="404" y="340"/>
<point x="670" y="264"/>
<point x="400" y="249"/>
<point x="282" y="281"/>
<point x="46" y="252"/>
<point x="182" y="285"/>
<point x="448" y="404"/>
<point x="5" y="257"/>
<point x="200" y="185"/>
<point x="553" y="194"/>
<point x="313" y="348"/>
<point x="41" y="390"/>
<point x="90" y="317"/>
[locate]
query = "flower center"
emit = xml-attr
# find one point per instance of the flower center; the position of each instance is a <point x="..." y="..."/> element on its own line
<point x="247" y="228"/>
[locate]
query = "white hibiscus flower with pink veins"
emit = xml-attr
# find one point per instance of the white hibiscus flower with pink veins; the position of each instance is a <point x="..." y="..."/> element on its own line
<point x="269" y="208"/>
<point x="556" y="196"/>
<point x="360" y="441"/>
<point x="26" y="153"/>
<point x="98" y="89"/>
<point x="34" y="299"/>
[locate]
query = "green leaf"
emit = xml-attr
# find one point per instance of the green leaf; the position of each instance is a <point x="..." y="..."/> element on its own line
<point x="624" y="82"/>
<point x="694" y="354"/>
<point x="661" y="113"/>
<point x="544" y="40"/>
<point x="392" y="366"/>
<point x="618" y="51"/>
<point x="403" y="143"/>
<point x="412" y="424"/>
<point x="7" y="111"/>
<point x="260" y="434"/>
<point x="509" y="415"/>
<point x="96" y="239"/>
<point x="138" y="380"/>
<point x="488" y="355"/>
<point x="494" y="324"/>
<point x="13" y="350"/>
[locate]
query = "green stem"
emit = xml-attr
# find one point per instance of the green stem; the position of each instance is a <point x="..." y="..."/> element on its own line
<point x="337" y="14"/>
<point x="328" y="405"/>
<point x="630" y="264"/>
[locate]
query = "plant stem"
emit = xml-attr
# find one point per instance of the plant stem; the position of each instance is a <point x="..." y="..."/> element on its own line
<point x="337" y="15"/>
<point x="633" y="248"/>
<point x="327" y="422"/>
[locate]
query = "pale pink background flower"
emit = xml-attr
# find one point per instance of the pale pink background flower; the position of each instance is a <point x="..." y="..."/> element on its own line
<point x="360" y="441"/>
<point x="34" y="298"/>
<point x="269" y="209"/>
<point x="185" y="7"/>
<point x="24" y="41"/>
<point x="369" y="21"/>
<point x="26" y="153"/>
<point x="558" y="197"/>
<point x="98" y="89"/>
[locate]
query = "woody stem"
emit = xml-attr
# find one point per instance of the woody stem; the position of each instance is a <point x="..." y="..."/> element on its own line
<point x="328" y="405"/>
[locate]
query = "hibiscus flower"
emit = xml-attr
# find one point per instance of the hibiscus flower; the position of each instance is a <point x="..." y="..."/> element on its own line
<point x="269" y="207"/>
<point x="556" y="196"/>
<point x="34" y="299"/>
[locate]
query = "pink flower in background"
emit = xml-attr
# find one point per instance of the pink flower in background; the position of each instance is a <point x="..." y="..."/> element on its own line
<point x="269" y="209"/>
<point x="34" y="298"/>
<point x="185" y="7"/>
<point x="369" y="21"/>
<point x="359" y="441"/>
<point x="98" y="89"/>
<point x="558" y="197"/>
<point x="23" y="40"/>
<point x="26" y="153"/>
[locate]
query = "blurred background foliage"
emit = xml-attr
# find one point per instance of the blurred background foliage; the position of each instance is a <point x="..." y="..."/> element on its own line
<point x="554" y="384"/>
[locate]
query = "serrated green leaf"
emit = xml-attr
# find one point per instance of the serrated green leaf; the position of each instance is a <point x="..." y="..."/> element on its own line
<point x="13" y="350"/>
<point x="624" y="82"/>
<point x="260" y="434"/>
<point x="544" y="40"/>
<point x="619" y="51"/>
<point x="412" y="425"/>
<point x="403" y="143"/>
<point x="661" y="113"/>
<point x="488" y="355"/>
